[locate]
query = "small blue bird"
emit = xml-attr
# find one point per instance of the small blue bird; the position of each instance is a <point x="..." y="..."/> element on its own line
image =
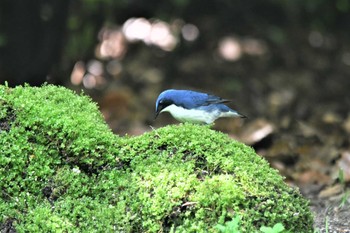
<point x="194" y="107"/>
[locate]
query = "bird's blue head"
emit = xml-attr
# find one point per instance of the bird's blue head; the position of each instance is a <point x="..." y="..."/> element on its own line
<point x="165" y="99"/>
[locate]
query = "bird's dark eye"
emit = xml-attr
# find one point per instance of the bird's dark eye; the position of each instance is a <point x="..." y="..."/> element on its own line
<point x="163" y="103"/>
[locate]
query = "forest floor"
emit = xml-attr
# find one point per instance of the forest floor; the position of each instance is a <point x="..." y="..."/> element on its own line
<point x="332" y="214"/>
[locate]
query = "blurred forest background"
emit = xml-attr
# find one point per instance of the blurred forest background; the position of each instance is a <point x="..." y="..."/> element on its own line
<point x="285" y="64"/>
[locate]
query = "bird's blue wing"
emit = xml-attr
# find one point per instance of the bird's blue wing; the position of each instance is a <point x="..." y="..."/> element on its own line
<point x="193" y="99"/>
<point x="212" y="99"/>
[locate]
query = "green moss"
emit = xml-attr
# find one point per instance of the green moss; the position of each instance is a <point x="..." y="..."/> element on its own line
<point x="62" y="170"/>
<point x="208" y="178"/>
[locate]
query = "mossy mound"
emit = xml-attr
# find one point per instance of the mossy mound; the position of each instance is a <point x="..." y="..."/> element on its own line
<point x="190" y="177"/>
<point x="62" y="170"/>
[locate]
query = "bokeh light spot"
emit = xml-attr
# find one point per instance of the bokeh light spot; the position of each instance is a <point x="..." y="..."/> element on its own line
<point x="95" y="67"/>
<point x="161" y="36"/>
<point x="230" y="48"/>
<point x="78" y="73"/>
<point x="316" y="39"/>
<point x="190" y="32"/>
<point x="156" y="33"/>
<point x="253" y="46"/>
<point x="114" y="67"/>
<point x="89" y="81"/>
<point x="136" y="29"/>
<point x="346" y="58"/>
<point x="112" y="44"/>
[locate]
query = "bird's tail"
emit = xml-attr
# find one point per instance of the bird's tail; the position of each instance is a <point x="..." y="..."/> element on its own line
<point x="233" y="113"/>
<point x="241" y="115"/>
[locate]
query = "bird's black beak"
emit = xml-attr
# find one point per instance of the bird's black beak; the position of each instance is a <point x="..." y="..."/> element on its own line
<point x="159" y="107"/>
<point x="156" y="115"/>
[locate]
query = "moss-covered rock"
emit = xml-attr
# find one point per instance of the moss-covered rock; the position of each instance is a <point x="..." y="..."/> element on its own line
<point x="62" y="170"/>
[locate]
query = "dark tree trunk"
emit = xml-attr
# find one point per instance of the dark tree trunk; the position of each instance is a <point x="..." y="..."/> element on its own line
<point x="32" y="35"/>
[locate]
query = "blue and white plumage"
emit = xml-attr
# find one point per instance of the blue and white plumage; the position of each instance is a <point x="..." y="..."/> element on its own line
<point x="194" y="107"/>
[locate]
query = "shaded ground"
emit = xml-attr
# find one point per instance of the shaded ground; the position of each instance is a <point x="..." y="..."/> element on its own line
<point x="314" y="161"/>
<point x="332" y="214"/>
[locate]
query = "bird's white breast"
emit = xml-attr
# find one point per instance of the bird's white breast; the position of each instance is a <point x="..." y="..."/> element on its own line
<point x="191" y="115"/>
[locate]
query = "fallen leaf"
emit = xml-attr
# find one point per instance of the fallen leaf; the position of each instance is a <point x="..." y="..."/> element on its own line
<point x="256" y="131"/>
<point x="344" y="164"/>
<point x="331" y="191"/>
